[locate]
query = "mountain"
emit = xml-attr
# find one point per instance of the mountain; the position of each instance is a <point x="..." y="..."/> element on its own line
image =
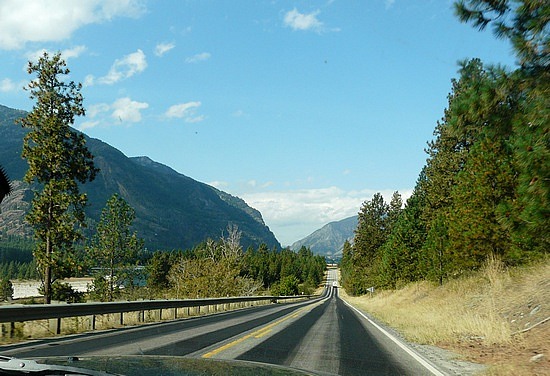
<point x="173" y="211"/>
<point x="329" y="240"/>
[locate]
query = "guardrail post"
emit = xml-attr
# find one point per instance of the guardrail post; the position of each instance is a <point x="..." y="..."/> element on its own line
<point x="10" y="333"/>
<point x="9" y="315"/>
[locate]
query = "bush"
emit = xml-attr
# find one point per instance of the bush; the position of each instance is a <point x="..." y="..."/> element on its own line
<point x="64" y="292"/>
<point x="6" y="289"/>
<point x="287" y="286"/>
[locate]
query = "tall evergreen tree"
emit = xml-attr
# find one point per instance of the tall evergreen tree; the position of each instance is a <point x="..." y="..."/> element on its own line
<point x="477" y="109"/>
<point x="394" y="210"/>
<point x="401" y="256"/>
<point x="370" y="235"/>
<point x="530" y="219"/>
<point x="115" y="247"/>
<point x="482" y="113"/>
<point x="58" y="160"/>
<point x="525" y="24"/>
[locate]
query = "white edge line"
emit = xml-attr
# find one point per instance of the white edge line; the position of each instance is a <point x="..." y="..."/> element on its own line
<point x="417" y="357"/>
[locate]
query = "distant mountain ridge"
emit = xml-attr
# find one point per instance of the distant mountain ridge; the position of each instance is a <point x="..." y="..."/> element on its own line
<point x="173" y="211"/>
<point x="329" y="240"/>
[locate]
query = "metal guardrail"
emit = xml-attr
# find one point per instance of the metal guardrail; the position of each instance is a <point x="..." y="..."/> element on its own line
<point x="22" y="313"/>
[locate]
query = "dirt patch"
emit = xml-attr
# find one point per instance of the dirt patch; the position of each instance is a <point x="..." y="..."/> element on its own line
<point x="527" y="355"/>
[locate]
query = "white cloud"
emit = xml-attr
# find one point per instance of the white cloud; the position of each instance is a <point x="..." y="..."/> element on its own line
<point x="122" y="111"/>
<point x="219" y="184"/>
<point x="88" y="124"/>
<point x="73" y="52"/>
<point x="240" y="114"/>
<point x="65" y="54"/>
<point x="163" y="48"/>
<point x="198" y="58"/>
<point x="303" y="21"/>
<point x="186" y="111"/>
<point x="389" y="3"/>
<point x="124" y="68"/>
<point x="95" y="109"/>
<point x="125" y="109"/>
<point x="7" y="85"/>
<point x="89" y="80"/>
<point x="55" y="20"/>
<point x="194" y="119"/>
<point x="294" y="214"/>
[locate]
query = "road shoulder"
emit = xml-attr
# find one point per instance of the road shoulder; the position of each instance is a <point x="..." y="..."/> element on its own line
<point x="448" y="362"/>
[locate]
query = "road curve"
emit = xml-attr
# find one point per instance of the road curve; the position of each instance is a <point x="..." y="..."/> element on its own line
<point x="322" y="335"/>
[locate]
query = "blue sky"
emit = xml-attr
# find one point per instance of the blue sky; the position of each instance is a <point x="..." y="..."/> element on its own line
<point x="304" y="109"/>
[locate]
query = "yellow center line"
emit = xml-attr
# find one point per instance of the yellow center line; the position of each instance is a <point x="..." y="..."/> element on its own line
<point x="260" y="335"/>
<point x="257" y="334"/>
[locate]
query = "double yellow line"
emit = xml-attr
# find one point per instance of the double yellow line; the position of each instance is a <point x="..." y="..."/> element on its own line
<point x="258" y="333"/>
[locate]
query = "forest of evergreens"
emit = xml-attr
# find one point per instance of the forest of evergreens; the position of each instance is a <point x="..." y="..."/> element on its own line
<point x="222" y="268"/>
<point x="212" y="269"/>
<point x="485" y="188"/>
<point x="16" y="259"/>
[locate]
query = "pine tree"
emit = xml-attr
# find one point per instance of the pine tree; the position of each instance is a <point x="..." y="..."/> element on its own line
<point x="472" y="108"/>
<point x="158" y="268"/>
<point x="401" y="256"/>
<point x="114" y="247"/>
<point x="6" y="289"/>
<point x="487" y="182"/>
<point x="394" y="210"/>
<point x="370" y="235"/>
<point x="58" y="160"/>
<point x="523" y="22"/>
<point x="483" y="112"/>
<point x="529" y="215"/>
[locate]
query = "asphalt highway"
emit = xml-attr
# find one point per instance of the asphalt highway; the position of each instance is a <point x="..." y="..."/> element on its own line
<point x="323" y="335"/>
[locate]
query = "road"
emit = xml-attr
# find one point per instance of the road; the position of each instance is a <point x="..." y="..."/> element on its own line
<point x="323" y="335"/>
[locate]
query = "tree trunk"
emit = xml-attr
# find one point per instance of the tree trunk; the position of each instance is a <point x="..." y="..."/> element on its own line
<point x="48" y="273"/>
<point x="111" y="282"/>
<point x="48" y="267"/>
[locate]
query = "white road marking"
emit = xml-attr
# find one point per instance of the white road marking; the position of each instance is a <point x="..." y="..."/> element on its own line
<point x="404" y="347"/>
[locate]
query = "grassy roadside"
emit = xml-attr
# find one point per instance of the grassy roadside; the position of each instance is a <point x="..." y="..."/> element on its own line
<point x="495" y="316"/>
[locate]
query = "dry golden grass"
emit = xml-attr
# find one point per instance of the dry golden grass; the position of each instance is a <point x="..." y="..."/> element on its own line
<point x="483" y="316"/>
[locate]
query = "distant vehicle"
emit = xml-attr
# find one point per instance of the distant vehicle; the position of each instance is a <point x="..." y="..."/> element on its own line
<point x="335" y="285"/>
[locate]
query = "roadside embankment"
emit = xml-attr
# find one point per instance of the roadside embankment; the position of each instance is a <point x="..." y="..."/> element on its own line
<point x="498" y="317"/>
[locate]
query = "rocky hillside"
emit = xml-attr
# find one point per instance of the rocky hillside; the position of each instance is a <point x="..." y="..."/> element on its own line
<point x="329" y="240"/>
<point x="172" y="210"/>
